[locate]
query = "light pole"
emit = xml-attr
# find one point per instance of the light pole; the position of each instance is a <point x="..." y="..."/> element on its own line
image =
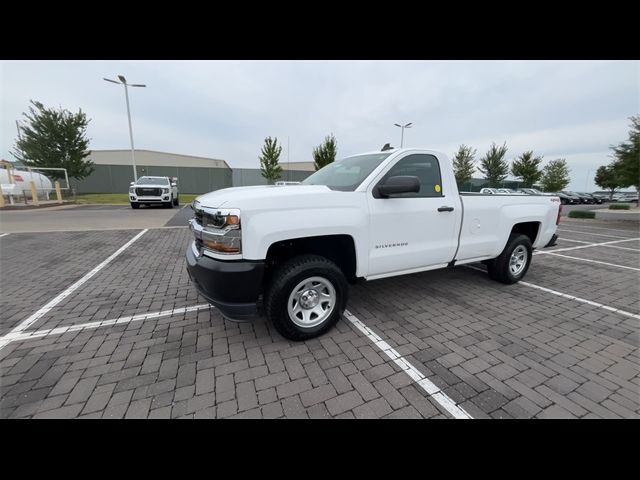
<point x="586" y="181"/>
<point x="402" y="127"/>
<point x="123" y="81"/>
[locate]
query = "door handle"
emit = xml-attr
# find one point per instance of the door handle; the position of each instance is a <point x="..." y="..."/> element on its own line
<point x="445" y="209"/>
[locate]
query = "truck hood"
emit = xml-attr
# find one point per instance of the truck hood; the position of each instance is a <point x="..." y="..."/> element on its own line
<point x="239" y="197"/>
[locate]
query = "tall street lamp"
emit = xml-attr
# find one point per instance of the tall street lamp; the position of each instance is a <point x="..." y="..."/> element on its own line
<point x="408" y="125"/>
<point x="586" y="181"/>
<point x="123" y="81"/>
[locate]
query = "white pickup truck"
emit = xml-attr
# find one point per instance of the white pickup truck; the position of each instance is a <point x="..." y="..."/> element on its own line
<point x="294" y="249"/>
<point x="154" y="190"/>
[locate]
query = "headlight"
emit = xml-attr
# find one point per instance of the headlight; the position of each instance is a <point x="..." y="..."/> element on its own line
<point x="218" y="229"/>
<point x="165" y="190"/>
<point x="132" y="190"/>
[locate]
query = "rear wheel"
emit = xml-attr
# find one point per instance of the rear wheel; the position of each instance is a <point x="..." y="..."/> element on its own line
<point x="135" y="205"/>
<point x="512" y="264"/>
<point x="306" y="297"/>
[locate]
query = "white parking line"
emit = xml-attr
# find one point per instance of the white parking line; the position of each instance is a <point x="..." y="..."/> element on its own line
<point x="589" y="233"/>
<point x="570" y="297"/>
<point x="608" y="246"/>
<point x="581" y="300"/>
<point x="3" y="235"/>
<point x="576" y="224"/>
<point x="593" y="261"/>
<point x="432" y="390"/>
<point x="19" y="336"/>
<point x="589" y="245"/>
<point x="26" y="323"/>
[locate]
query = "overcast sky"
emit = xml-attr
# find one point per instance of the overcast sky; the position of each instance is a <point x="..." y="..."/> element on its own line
<point x="225" y="109"/>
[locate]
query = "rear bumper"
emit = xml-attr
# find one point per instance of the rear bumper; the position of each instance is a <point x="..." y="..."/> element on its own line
<point x="233" y="287"/>
<point x="552" y="242"/>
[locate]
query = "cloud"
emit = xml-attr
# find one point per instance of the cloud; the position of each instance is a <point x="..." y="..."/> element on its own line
<point x="225" y="109"/>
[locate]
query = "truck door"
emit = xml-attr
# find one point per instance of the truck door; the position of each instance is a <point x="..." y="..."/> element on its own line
<point x="413" y="230"/>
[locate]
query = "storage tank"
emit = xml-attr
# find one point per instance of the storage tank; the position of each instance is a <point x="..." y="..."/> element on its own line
<point x="22" y="178"/>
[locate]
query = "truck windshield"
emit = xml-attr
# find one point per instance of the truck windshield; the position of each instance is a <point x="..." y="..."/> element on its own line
<point x="348" y="173"/>
<point x="153" y="181"/>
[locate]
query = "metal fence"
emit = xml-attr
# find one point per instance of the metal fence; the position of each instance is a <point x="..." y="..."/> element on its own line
<point x="116" y="178"/>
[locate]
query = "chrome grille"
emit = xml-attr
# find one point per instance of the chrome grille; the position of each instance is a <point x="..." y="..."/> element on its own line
<point x="153" y="192"/>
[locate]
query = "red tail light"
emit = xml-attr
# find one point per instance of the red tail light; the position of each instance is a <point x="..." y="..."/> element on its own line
<point x="559" y="212"/>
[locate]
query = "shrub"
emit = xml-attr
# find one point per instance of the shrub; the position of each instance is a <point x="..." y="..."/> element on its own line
<point x="582" y="214"/>
<point x="619" y="206"/>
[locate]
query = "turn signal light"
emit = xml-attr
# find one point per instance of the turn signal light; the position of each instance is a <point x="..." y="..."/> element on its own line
<point x="221" y="247"/>
<point x="233" y="220"/>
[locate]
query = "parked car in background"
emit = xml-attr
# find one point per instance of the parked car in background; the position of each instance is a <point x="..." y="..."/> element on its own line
<point x="583" y="198"/>
<point x="619" y="197"/>
<point x="592" y="198"/>
<point x="534" y="191"/>
<point x="578" y="198"/>
<point x="567" y="199"/>
<point x="631" y="197"/>
<point x="602" y="196"/>
<point x="509" y="191"/>
<point x="154" y="190"/>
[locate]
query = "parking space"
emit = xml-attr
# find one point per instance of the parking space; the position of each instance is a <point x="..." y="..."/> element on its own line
<point x="148" y="276"/>
<point x="36" y="267"/>
<point x="136" y="340"/>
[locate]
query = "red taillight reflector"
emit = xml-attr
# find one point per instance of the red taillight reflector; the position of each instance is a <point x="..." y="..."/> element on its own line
<point x="559" y="212"/>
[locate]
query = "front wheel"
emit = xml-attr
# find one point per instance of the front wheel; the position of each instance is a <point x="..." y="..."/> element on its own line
<point x="176" y="202"/>
<point x="306" y="297"/>
<point x="135" y="205"/>
<point x="169" y="204"/>
<point x="512" y="264"/>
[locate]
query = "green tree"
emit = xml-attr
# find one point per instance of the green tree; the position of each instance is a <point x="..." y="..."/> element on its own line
<point x="54" y="139"/>
<point x="494" y="166"/>
<point x="607" y="178"/>
<point x="555" y="175"/>
<point x="627" y="157"/>
<point x="464" y="164"/>
<point x="269" y="160"/>
<point x="527" y="167"/>
<point x="325" y="153"/>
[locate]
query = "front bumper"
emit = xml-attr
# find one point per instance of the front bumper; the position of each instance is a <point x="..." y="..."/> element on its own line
<point x="165" y="198"/>
<point x="233" y="287"/>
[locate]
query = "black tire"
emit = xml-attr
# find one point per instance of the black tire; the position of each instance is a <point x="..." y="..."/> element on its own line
<point x="135" y="205"/>
<point x="498" y="268"/>
<point x="169" y="204"/>
<point x="286" y="278"/>
<point x="176" y="202"/>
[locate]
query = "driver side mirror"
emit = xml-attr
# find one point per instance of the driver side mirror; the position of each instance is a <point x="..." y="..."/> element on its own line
<point x="132" y="184"/>
<point x="174" y="184"/>
<point x="399" y="184"/>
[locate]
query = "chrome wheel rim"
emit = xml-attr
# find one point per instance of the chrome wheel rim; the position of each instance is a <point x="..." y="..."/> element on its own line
<point x="311" y="302"/>
<point x="518" y="260"/>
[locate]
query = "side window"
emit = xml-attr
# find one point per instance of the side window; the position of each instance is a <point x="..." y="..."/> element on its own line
<point x="423" y="166"/>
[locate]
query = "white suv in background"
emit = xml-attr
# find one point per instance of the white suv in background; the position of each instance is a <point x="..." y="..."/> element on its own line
<point x="154" y="190"/>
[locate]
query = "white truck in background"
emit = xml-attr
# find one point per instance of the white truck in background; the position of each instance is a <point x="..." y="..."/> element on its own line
<point x="154" y="190"/>
<point x="294" y="249"/>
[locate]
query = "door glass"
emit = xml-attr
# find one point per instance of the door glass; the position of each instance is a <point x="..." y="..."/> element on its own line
<point x="423" y="166"/>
